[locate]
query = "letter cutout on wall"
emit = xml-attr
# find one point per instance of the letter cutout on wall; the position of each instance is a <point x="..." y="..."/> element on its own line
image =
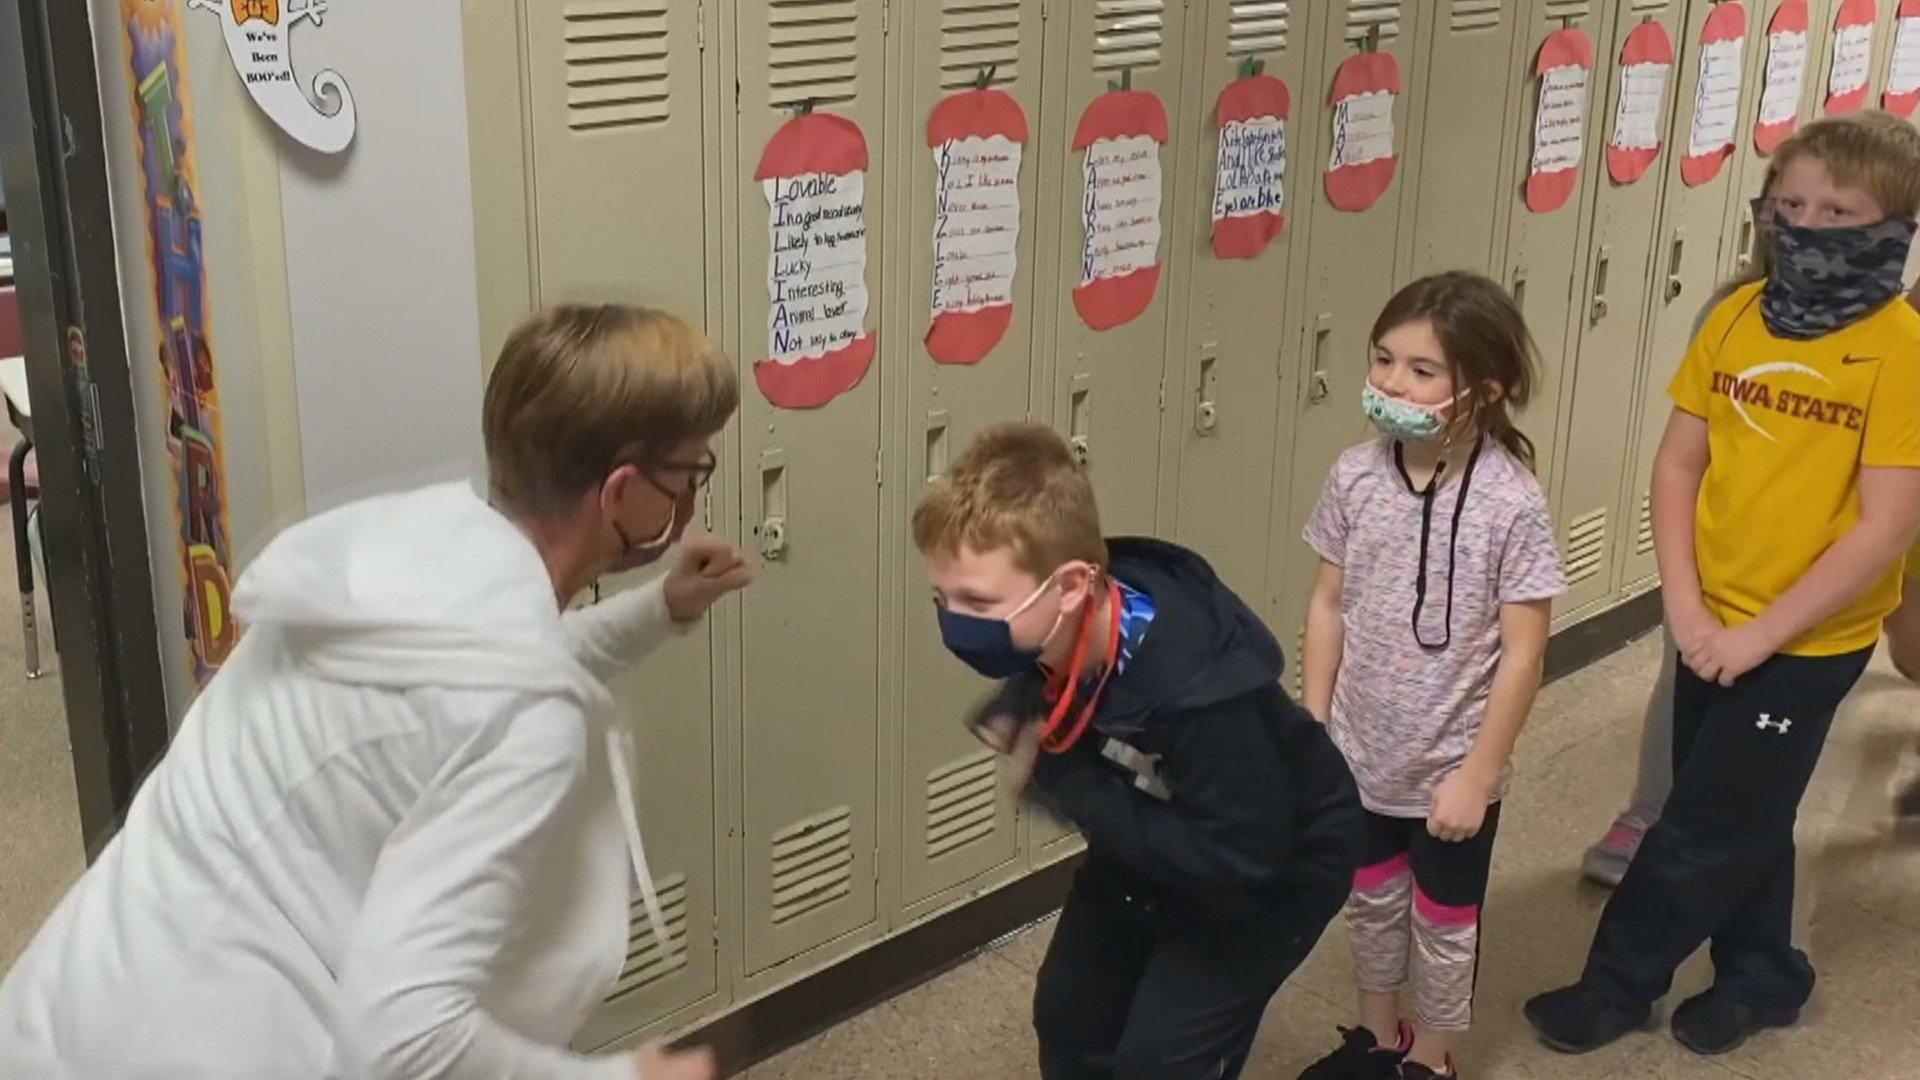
<point x="1121" y="133"/>
<point x="1364" y="157"/>
<point x="814" y="174"/>
<point x="1785" y="76"/>
<point x="170" y="173"/>
<point x="1852" y="56"/>
<point x="976" y="137"/>
<point x="1565" y="64"/>
<point x="1250" y="169"/>
<point x="1903" y="74"/>
<point x="1716" y="99"/>
<point x="1646" y="60"/>
<point x="259" y="36"/>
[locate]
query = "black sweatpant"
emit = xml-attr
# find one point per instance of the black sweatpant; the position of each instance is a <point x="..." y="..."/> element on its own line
<point x="1719" y="863"/>
<point x="1131" y="991"/>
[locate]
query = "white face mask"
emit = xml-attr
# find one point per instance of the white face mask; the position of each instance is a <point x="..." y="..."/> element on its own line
<point x="634" y="555"/>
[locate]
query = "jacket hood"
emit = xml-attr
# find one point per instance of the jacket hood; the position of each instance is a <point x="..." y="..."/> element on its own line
<point x="1205" y="646"/>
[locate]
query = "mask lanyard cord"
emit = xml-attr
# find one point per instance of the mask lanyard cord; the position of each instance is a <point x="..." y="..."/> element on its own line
<point x="1051" y="739"/>
<point x="1426" y="529"/>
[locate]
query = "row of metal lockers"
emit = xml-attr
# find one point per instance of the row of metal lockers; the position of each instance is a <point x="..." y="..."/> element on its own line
<point x="1165" y="226"/>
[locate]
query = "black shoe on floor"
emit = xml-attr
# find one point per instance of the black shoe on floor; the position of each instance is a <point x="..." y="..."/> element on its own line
<point x="1712" y="1023"/>
<point x="1413" y="1070"/>
<point x="1575" y="1020"/>
<point x="1360" y="1057"/>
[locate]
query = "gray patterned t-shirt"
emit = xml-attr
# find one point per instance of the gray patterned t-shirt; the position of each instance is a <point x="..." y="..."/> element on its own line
<point x="1406" y="715"/>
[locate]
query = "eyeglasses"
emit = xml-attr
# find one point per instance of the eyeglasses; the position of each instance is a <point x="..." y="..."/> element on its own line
<point x="697" y="473"/>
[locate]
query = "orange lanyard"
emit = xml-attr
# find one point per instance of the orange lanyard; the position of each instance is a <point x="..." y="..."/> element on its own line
<point x="1061" y="686"/>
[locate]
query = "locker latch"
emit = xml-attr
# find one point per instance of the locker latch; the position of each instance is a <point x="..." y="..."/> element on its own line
<point x="773" y="538"/>
<point x="1206" y="416"/>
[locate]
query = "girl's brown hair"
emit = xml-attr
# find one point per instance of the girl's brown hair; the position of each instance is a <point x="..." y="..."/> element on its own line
<point x="1486" y="342"/>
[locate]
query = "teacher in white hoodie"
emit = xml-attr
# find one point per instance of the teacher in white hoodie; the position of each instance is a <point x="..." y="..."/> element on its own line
<point x="394" y="838"/>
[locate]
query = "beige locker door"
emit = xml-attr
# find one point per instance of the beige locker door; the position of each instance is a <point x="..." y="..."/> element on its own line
<point x="1107" y="383"/>
<point x="954" y="817"/>
<point x="1686" y="269"/>
<point x="809" y="694"/>
<point x="1737" y="252"/>
<point x="1887" y="11"/>
<point x="1462" y="196"/>
<point x="1233" y="345"/>
<point x="1545" y="259"/>
<point x="614" y="88"/>
<point x="1352" y="268"/>
<point x="1609" y="315"/>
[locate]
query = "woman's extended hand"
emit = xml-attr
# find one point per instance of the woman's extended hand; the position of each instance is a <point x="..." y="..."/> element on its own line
<point x="658" y="1063"/>
<point x="709" y="568"/>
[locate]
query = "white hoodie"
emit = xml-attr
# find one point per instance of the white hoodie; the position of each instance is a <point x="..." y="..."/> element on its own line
<point x="393" y="839"/>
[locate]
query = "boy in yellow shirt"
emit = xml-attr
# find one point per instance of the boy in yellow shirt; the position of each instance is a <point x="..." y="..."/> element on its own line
<point x="1785" y="491"/>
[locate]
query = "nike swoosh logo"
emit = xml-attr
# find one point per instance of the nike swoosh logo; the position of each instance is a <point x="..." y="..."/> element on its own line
<point x="1852" y="359"/>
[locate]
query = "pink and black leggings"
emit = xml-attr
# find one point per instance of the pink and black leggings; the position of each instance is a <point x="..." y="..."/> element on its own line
<point x="1414" y="916"/>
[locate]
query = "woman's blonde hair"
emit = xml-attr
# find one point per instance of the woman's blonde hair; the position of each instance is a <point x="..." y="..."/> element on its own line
<point x="580" y="390"/>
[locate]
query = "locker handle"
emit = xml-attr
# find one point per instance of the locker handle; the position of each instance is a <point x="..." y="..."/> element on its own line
<point x="1206" y="414"/>
<point x="936" y="443"/>
<point x="1600" y="265"/>
<point x="1520" y="288"/>
<point x="773" y="504"/>
<point x="1745" y="259"/>
<point x="1675" y="283"/>
<point x="1318" y="386"/>
<point x="1080" y="418"/>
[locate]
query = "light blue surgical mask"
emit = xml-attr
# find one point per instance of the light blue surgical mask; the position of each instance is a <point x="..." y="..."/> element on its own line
<point x="1402" y="419"/>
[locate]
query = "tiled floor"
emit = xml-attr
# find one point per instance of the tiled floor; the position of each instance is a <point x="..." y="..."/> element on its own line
<point x="1860" y="910"/>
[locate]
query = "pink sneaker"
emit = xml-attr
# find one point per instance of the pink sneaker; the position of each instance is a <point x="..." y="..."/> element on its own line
<point x="1606" y="862"/>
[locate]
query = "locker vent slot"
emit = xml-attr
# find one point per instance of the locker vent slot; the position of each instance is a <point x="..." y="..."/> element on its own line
<point x="1652" y="5"/>
<point x="1586" y="546"/>
<point x="1569" y="9"/>
<point x="1364" y="15"/>
<point x="616" y="54"/>
<point x="1128" y="33"/>
<point x="1643" y="543"/>
<point x="960" y="804"/>
<point x="814" y="51"/>
<point x="647" y="963"/>
<point x="975" y="34"/>
<point x="1257" y="26"/>
<point x="1299" y="667"/>
<point x="1471" y="15"/>
<point x="812" y="864"/>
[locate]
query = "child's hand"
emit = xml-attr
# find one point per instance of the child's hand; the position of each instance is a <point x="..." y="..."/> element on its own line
<point x="1728" y="654"/>
<point x="1459" y="807"/>
<point x="1691" y="626"/>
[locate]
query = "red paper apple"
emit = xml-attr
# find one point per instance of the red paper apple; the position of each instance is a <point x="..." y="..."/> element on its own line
<point x="1727" y="23"/>
<point x="1852" y="13"/>
<point x="1548" y="191"/>
<point x="1107" y="302"/>
<point x="1789" y="18"/>
<point x="1902" y="102"/>
<point x="1648" y="43"/>
<point x="966" y="337"/>
<point x="814" y="147"/>
<point x="1255" y="97"/>
<point x="1358" y="187"/>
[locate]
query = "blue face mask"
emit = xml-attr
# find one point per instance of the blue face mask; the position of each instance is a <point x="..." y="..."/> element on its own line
<point x="985" y="643"/>
<point x="1401" y="419"/>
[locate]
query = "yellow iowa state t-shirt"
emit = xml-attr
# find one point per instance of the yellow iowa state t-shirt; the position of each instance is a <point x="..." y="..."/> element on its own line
<point x="1790" y="424"/>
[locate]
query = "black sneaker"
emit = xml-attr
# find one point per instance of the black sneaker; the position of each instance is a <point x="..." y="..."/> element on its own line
<point x="1360" y="1057"/>
<point x="1413" y="1070"/>
<point x="1710" y="1023"/>
<point x="1575" y="1020"/>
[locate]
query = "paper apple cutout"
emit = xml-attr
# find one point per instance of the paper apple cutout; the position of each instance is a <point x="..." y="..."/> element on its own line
<point x="1902" y="94"/>
<point x="1787" y="33"/>
<point x="1723" y="35"/>
<point x="1647" y="54"/>
<point x="1564" y="67"/>
<point x="1121" y="133"/>
<point x="1364" y="151"/>
<point x="977" y="137"/>
<point x="1249" y="196"/>
<point x="813" y="171"/>
<point x="1852" y="56"/>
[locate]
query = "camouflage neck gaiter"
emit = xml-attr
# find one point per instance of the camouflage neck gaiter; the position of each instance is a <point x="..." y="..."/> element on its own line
<point x="1827" y="279"/>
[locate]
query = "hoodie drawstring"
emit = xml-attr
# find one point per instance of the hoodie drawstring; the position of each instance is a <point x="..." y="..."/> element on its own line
<point x="619" y="754"/>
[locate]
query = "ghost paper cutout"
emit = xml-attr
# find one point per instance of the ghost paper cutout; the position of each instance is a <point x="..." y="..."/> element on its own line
<point x="259" y="35"/>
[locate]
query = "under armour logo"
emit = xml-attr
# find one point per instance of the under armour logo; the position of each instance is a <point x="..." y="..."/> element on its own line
<point x="1768" y="723"/>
